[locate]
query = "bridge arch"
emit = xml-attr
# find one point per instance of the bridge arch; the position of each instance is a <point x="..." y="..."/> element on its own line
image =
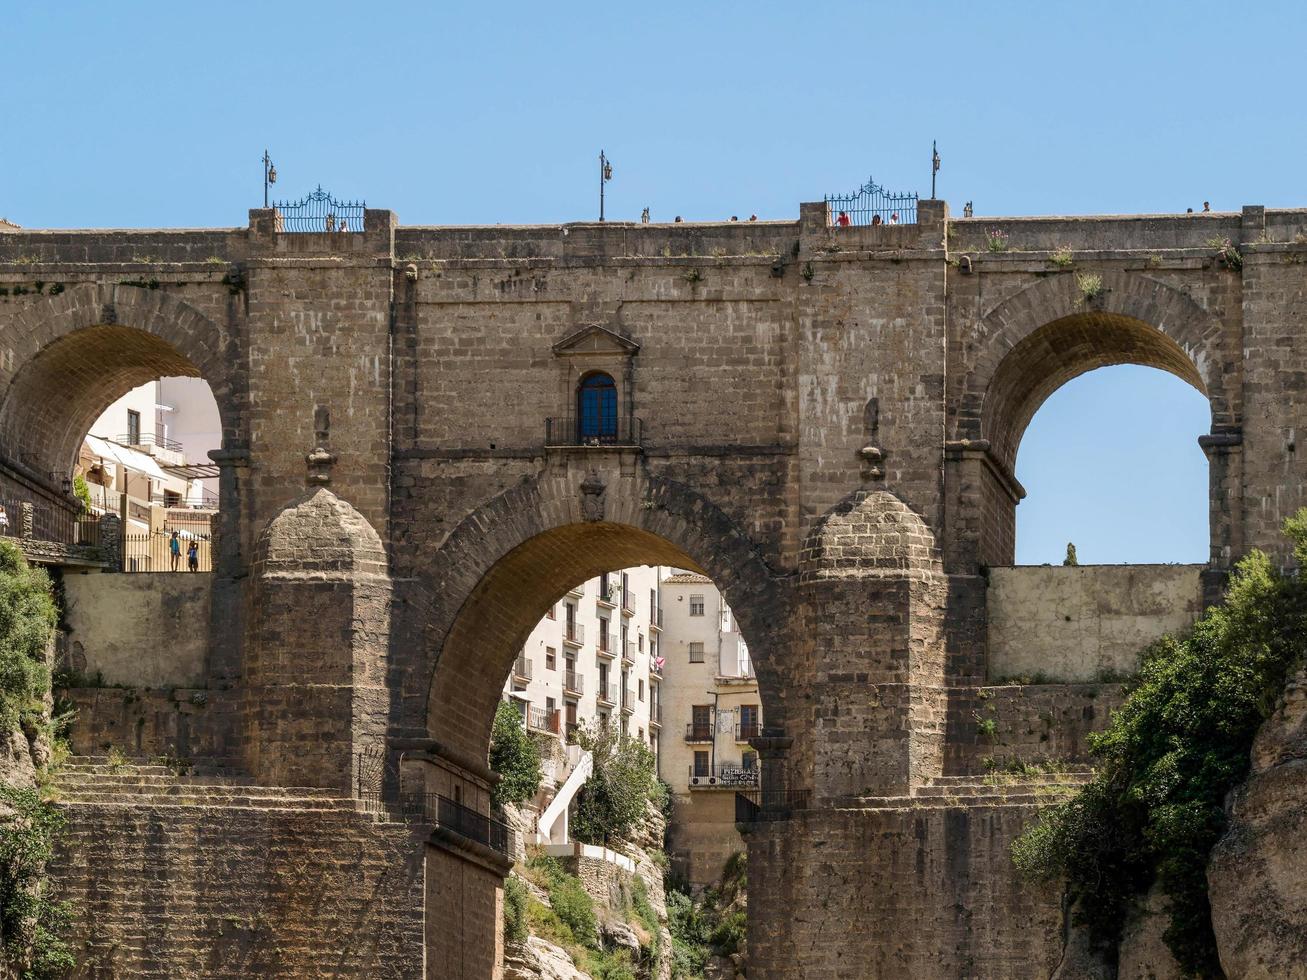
<point x="69" y="356"/>
<point x="506" y="563"/>
<point x="1061" y="327"/>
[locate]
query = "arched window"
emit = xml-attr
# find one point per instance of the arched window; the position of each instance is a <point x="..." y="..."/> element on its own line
<point x="596" y="408"/>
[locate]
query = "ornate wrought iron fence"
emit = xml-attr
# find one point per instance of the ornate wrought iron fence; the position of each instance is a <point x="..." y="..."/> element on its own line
<point x="146" y="551"/>
<point x="870" y="203"/>
<point x="319" y="212"/>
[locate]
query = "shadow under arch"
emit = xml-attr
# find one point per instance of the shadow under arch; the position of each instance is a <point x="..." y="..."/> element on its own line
<point x="76" y="352"/>
<point x="505" y="564"/>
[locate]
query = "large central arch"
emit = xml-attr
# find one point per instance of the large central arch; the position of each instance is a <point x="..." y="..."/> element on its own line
<point x="502" y="567"/>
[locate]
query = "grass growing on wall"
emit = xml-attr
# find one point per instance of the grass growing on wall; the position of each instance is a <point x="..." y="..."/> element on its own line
<point x="1179" y="744"/>
<point x="27" y="622"/>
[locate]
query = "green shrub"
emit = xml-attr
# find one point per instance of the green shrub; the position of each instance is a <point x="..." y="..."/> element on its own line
<point x="515" y="756"/>
<point x="1178" y="745"/>
<point x="27" y="622"/>
<point x="617" y="794"/>
<point x="515" y="923"/>
<point x="82" y="492"/>
<point x="31" y="922"/>
<point x="575" y="909"/>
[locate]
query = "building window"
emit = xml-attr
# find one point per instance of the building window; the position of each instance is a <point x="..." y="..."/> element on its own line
<point x="749" y="760"/>
<point x="701" y="720"/>
<point x="641" y="688"/>
<point x="552" y="614"/>
<point x="696" y="605"/>
<point x="133" y="427"/>
<point x="701" y="763"/>
<point x="639" y="643"/>
<point x="726" y="620"/>
<point x="603" y="635"/>
<point x="596" y="408"/>
<point x="696" y="653"/>
<point x="749" y="721"/>
<point x="551" y="655"/>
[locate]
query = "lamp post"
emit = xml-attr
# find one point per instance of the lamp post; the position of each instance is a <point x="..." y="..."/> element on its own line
<point x="269" y="176"/>
<point x="934" y="168"/>
<point x="605" y="175"/>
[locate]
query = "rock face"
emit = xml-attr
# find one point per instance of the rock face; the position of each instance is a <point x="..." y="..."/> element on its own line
<point x="539" y="960"/>
<point x="1144" y="955"/>
<point x="1257" y="876"/>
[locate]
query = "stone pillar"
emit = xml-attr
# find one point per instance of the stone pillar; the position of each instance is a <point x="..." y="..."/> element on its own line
<point x="26" y="520"/>
<point x="319" y="630"/>
<point x="870" y="631"/>
<point x="111" y="541"/>
<point x="229" y="550"/>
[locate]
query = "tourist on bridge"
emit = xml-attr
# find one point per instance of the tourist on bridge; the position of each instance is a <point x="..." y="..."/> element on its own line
<point x="175" y="550"/>
<point x="193" y="557"/>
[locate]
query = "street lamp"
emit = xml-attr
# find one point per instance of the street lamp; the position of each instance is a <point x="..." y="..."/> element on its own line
<point x="605" y="175"/>
<point x="269" y="176"/>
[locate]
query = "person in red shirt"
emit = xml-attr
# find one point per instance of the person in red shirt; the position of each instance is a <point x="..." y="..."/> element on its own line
<point x="843" y="220"/>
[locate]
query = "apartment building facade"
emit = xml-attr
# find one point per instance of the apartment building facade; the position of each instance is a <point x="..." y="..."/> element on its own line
<point x="709" y="698"/>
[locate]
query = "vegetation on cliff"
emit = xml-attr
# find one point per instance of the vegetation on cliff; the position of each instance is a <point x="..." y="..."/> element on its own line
<point x="615" y="798"/>
<point x="1179" y="744"/>
<point x="515" y="756"/>
<point x="31" y="920"/>
<point x="713" y="925"/>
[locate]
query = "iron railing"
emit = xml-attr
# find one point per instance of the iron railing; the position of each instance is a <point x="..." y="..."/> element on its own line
<point x="573" y="683"/>
<point x="151" y="552"/>
<point x="871" y="204"/>
<point x="723" y="775"/>
<point x="763" y="805"/>
<point x="607" y="692"/>
<point x="628" y="652"/>
<point x="607" y="646"/>
<point x="522" y="668"/>
<point x="574" y="633"/>
<point x="148" y="439"/>
<point x="440" y="811"/>
<point x="628" y="702"/>
<point x="50" y="522"/>
<point x="699" y="733"/>
<point x="745" y="730"/>
<point x="656" y="617"/>
<point x="628" y="602"/>
<point x="319" y="212"/>
<point x="569" y="431"/>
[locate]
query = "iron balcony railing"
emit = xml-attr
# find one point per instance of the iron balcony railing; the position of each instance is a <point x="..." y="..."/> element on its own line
<point x="628" y="603"/>
<point x="656" y="716"/>
<point x="656" y="617"/>
<point x="573" y="683"/>
<point x="607" y="644"/>
<point x="760" y="806"/>
<point x="698" y="733"/>
<point x="628" y="702"/>
<point x="628" y="652"/>
<point x="745" y="730"/>
<point x="569" y="431"/>
<point x="440" y="811"/>
<point x="148" y="439"/>
<point x="607" y="692"/>
<point x="574" y="633"/>
<point x="522" y="668"/>
<point x="607" y="594"/>
<point x="723" y="775"/>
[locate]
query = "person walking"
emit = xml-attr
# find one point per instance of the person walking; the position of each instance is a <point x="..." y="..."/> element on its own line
<point x="193" y="556"/>
<point x="175" y="550"/>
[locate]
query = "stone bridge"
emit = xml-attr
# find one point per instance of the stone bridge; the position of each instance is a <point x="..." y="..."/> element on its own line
<point x="825" y="420"/>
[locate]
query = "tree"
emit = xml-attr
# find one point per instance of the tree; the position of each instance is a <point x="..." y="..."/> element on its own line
<point x="82" y="492"/>
<point x="617" y="794"/>
<point x="1180" y="742"/>
<point x="1070" y="558"/>
<point x="27" y="622"/>
<point x="515" y="756"/>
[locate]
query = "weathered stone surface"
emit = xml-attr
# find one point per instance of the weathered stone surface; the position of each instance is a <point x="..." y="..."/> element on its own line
<point x="539" y="959"/>
<point x="1143" y="954"/>
<point x="1257" y="875"/>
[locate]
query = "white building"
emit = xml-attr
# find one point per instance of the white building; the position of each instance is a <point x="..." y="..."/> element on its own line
<point x="711" y="706"/>
<point x="593" y="659"/>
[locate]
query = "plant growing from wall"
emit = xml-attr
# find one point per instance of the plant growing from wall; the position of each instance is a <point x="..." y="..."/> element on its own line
<point x="515" y="756"/>
<point x="1227" y="252"/>
<point x="515" y="903"/>
<point x="1177" y="746"/>
<point x="617" y="794"/>
<point x="27" y="622"/>
<point x="31" y="921"/>
<point x="1090" y="285"/>
<point x="1061" y="257"/>
<point x="1070" y="558"/>
<point x="82" y="492"/>
<point x="996" y="240"/>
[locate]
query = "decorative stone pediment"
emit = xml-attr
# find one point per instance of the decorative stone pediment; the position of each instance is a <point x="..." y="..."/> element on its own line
<point x="596" y="339"/>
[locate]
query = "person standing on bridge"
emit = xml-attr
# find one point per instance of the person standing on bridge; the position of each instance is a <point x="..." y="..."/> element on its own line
<point x="843" y="219"/>
<point x="4" y="521"/>
<point x="175" y="550"/>
<point x="193" y="556"/>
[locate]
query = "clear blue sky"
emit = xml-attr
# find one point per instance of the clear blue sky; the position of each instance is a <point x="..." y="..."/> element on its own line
<point x="144" y="114"/>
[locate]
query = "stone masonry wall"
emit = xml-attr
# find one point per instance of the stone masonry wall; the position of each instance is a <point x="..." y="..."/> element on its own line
<point x="188" y="892"/>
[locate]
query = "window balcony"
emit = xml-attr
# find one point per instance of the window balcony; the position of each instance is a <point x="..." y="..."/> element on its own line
<point x="522" y="669"/>
<point x="746" y="730"/>
<point x="574" y="635"/>
<point x="656" y="618"/>
<point x="628" y="604"/>
<point x="729" y="776"/>
<point x="573" y="683"/>
<point x="607" y="695"/>
<point x="655" y="669"/>
<point x="761" y="806"/>
<point x="698" y="733"/>
<point x="607" y="646"/>
<point x="607" y="598"/>
<point x="568" y="432"/>
<point x="540" y="720"/>
<point x="628" y="702"/>
<point x="656" y="716"/>
<point x="628" y="654"/>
